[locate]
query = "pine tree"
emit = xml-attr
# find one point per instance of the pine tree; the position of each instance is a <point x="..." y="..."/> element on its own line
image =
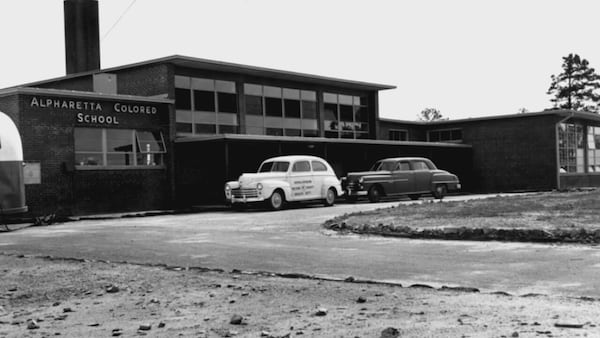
<point x="576" y="87"/>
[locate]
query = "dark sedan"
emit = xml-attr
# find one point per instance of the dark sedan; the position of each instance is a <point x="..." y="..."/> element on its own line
<point x="411" y="176"/>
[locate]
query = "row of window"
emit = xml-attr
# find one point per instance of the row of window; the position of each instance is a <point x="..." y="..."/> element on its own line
<point x="95" y="147"/>
<point x="575" y="154"/>
<point x="208" y="106"/>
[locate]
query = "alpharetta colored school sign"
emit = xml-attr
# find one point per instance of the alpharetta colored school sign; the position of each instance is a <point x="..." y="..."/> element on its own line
<point x="94" y="112"/>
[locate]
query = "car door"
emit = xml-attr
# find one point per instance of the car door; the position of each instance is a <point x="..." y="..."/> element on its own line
<point x="403" y="178"/>
<point x="301" y="181"/>
<point x="422" y="176"/>
<point x="319" y="174"/>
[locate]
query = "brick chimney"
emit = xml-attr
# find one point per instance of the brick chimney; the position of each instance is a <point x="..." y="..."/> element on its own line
<point x="82" y="36"/>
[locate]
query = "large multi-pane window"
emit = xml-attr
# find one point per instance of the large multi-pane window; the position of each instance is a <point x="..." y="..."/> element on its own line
<point x="445" y="135"/>
<point x="571" y="148"/>
<point x="593" y="136"/>
<point x="398" y="135"/>
<point x="345" y="116"/>
<point x="205" y="106"/>
<point x="95" y="147"/>
<point x="280" y="111"/>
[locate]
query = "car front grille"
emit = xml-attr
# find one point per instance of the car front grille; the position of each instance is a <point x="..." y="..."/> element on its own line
<point x="241" y="193"/>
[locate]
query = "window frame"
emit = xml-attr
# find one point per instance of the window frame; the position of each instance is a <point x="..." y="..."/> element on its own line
<point x="136" y="151"/>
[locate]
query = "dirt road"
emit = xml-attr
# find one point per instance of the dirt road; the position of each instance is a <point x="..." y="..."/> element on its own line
<point x="44" y="297"/>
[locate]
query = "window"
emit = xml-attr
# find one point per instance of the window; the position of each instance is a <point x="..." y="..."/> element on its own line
<point x="274" y="167"/>
<point x="280" y="111"/>
<point x="445" y="135"/>
<point x="345" y="116"/>
<point x="420" y="165"/>
<point x="301" y="166"/>
<point x="205" y="106"/>
<point x="593" y="136"/>
<point x="95" y="147"/>
<point x="398" y="135"/>
<point x="402" y="166"/>
<point x="571" y="148"/>
<point x="318" y="166"/>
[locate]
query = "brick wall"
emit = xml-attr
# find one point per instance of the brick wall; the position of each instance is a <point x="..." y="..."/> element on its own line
<point x="48" y="138"/>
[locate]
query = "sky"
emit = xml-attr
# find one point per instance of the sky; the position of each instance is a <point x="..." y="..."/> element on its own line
<point x="466" y="58"/>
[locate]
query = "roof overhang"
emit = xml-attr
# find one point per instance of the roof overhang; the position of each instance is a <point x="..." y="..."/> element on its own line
<point x="313" y="140"/>
<point x="219" y="66"/>
<point x="76" y="93"/>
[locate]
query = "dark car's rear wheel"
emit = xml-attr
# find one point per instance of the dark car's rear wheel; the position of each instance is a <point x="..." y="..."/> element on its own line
<point x="374" y="194"/>
<point x="276" y="201"/>
<point x="440" y="191"/>
<point x="329" y="197"/>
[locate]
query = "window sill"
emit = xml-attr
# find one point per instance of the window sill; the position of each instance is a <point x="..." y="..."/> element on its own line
<point x="118" y="167"/>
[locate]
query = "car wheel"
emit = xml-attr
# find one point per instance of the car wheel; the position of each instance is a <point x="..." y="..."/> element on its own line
<point x="414" y="197"/>
<point x="329" y="197"/>
<point x="440" y="191"/>
<point x="276" y="200"/>
<point x="374" y="194"/>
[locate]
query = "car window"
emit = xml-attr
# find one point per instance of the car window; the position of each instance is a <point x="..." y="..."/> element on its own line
<point x="387" y="166"/>
<point x="277" y="166"/>
<point x="402" y="166"/>
<point x="376" y="166"/>
<point x="419" y="165"/>
<point x="301" y="166"/>
<point x="318" y="166"/>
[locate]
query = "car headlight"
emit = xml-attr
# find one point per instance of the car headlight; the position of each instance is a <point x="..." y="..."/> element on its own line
<point x="259" y="186"/>
<point x="361" y="180"/>
<point x="227" y="187"/>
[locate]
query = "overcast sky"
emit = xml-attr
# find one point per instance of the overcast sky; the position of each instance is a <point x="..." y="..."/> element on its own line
<point x="467" y="58"/>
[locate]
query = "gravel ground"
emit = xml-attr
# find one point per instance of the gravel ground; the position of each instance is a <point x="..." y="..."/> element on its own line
<point x="43" y="297"/>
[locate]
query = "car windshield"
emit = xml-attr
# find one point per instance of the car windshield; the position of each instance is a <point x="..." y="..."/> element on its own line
<point x="383" y="166"/>
<point x="276" y="166"/>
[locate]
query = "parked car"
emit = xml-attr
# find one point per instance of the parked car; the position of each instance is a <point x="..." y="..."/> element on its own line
<point x="286" y="179"/>
<point x="412" y="176"/>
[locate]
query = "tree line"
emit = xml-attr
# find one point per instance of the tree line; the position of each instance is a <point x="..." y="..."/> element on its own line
<point x="575" y="88"/>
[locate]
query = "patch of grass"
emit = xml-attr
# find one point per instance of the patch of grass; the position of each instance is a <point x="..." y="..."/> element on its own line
<point x="548" y="209"/>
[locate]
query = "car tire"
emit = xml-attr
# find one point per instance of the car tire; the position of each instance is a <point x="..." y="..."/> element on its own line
<point x="277" y="200"/>
<point x="330" y="197"/>
<point x="440" y="191"/>
<point x="414" y="197"/>
<point x="374" y="194"/>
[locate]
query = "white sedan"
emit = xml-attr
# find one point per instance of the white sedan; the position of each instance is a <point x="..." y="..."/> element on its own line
<point x="286" y="179"/>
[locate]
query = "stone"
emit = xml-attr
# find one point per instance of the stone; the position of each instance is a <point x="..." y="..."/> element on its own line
<point x="390" y="332"/>
<point x="32" y="325"/>
<point x="515" y="334"/>
<point x="112" y="289"/>
<point x="361" y="299"/>
<point x="569" y="325"/>
<point x="236" y="320"/>
<point x="67" y="309"/>
<point x="321" y="312"/>
<point x="161" y="325"/>
<point x="145" y="327"/>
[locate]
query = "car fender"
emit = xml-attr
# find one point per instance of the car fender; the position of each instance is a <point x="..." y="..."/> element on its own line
<point x="271" y="185"/>
<point x="442" y="178"/>
<point x="233" y="184"/>
<point x="331" y="182"/>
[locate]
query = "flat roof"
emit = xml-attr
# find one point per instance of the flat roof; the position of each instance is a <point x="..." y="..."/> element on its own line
<point x="205" y="64"/>
<point x="245" y="137"/>
<point x="77" y="93"/>
<point x="557" y="112"/>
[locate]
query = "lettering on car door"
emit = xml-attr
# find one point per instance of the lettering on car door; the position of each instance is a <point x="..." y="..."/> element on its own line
<point x="301" y="181"/>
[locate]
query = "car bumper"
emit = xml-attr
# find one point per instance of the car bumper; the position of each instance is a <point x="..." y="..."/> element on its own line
<point x="244" y="200"/>
<point x="350" y="192"/>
